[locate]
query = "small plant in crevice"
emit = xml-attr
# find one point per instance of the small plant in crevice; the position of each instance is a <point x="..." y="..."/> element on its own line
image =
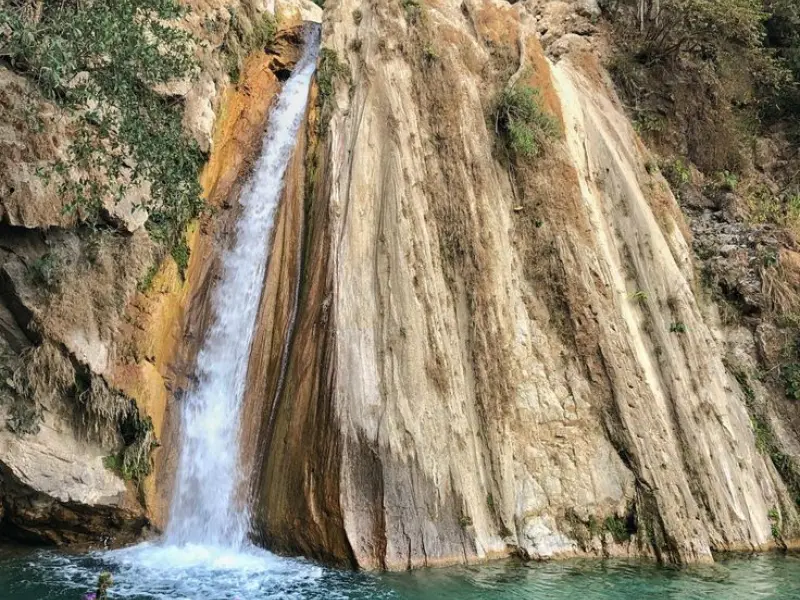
<point x="146" y="283"/>
<point x="465" y="521"/>
<point x="357" y="16"/>
<point x="618" y="528"/>
<point x="677" y="173"/>
<point x="329" y="70"/>
<point x="429" y="54"/>
<point x="775" y="523"/>
<point x="134" y="461"/>
<point x="726" y="181"/>
<point x="44" y="270"/>
<point x="521" y="121"/>
<point x="639" y="296"/>
<point x="413" y="10"/>
<point x="790" y="375"/>
<point x="180" y="254"/>
<point x="677" y="327"/>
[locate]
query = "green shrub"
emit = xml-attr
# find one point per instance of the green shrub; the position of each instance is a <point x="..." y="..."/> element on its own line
<point x="790" y="374"/>
<point x="329" y="70"/>
<point x="357" y="16"/>
<point x="775" y="521"/>
<point x="101" y="61"/>
<point x="521" y="121"/>
<point x="413" y="10"/>
<point x="147" y="281"/>
<point x="44" y="270"/>
<point x="677" y="327"/>
<point x="429" y="54"/>
<point x="180" y="254"/>
<point x="677" y="173"/>
<point x="618" y="528"/>
<point x="726" y="181"/>
<point x="134" y="461"/>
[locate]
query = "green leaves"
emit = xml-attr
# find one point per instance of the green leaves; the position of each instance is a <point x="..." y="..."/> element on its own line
<point x="522" y="122"/>
<point x="329" y="70"/>
<point x="101" y="61"/>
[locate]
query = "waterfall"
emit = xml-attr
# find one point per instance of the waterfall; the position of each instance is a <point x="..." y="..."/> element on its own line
<point x="205" y="507"/>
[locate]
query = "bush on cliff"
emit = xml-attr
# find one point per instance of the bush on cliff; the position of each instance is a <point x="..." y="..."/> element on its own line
<point x="701" y="70"/>
<point x="103" y="62"/>
<point x="521" y="122"/>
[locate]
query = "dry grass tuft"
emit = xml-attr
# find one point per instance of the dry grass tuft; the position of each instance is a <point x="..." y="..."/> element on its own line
<point x="780" y="284"/>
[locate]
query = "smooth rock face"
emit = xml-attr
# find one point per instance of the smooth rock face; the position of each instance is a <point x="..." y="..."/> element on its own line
<point x="482" y="361"/>
<point x="55" y="463"/>
<point x="54" y="488"/>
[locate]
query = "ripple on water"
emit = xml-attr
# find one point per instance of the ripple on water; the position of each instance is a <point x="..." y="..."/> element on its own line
<point x="155" y="571"/>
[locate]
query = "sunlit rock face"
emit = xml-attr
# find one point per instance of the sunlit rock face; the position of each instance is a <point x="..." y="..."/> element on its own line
<point x="484" y="358"/>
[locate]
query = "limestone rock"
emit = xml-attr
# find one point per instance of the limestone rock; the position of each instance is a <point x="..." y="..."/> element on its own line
<point x="130" y="214"/>
<point x="480" y="355"/>
<point x="302" y="10"/>
<point x="55" y="489"/>
<point x="198" y="116"/>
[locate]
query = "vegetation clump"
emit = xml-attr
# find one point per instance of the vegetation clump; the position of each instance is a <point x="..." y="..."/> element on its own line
<point x="103" y="63"/>
<point x="44" y="270"/>
<point x="618" y="528"/>
<point x="246" y="34"/>
<point x="521" y="121"/>
<point x="413" y="10"/>
<point x="134" y="462"/>
<point x="713" y="70"/>
<point x="677" y="327"/>
<point x="775" y="523"/>
<point x="791" y="380"/>
<point x="329" y="70"/>
<point x="766" y="441"/>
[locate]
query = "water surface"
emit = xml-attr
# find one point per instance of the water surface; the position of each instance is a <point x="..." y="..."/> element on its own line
<point x="150" y="571"/>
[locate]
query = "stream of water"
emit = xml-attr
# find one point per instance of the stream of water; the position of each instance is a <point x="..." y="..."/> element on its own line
<point x="205" y="509"/>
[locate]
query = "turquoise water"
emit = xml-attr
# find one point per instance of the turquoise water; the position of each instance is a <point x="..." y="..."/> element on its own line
<point x="146" y="573"/>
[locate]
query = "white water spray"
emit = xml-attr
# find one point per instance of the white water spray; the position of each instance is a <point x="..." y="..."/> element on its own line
<point x="205" y="510"/>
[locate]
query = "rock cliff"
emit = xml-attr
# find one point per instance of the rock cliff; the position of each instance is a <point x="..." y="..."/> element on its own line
<point x="493" y="355"/>
<point x="463" y="351"/>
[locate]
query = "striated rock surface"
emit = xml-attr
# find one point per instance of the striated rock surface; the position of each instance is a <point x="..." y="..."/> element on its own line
<point x="495" y="356"/>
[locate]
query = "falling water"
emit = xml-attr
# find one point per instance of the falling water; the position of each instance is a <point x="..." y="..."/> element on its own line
<point x="205" y="508"/>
